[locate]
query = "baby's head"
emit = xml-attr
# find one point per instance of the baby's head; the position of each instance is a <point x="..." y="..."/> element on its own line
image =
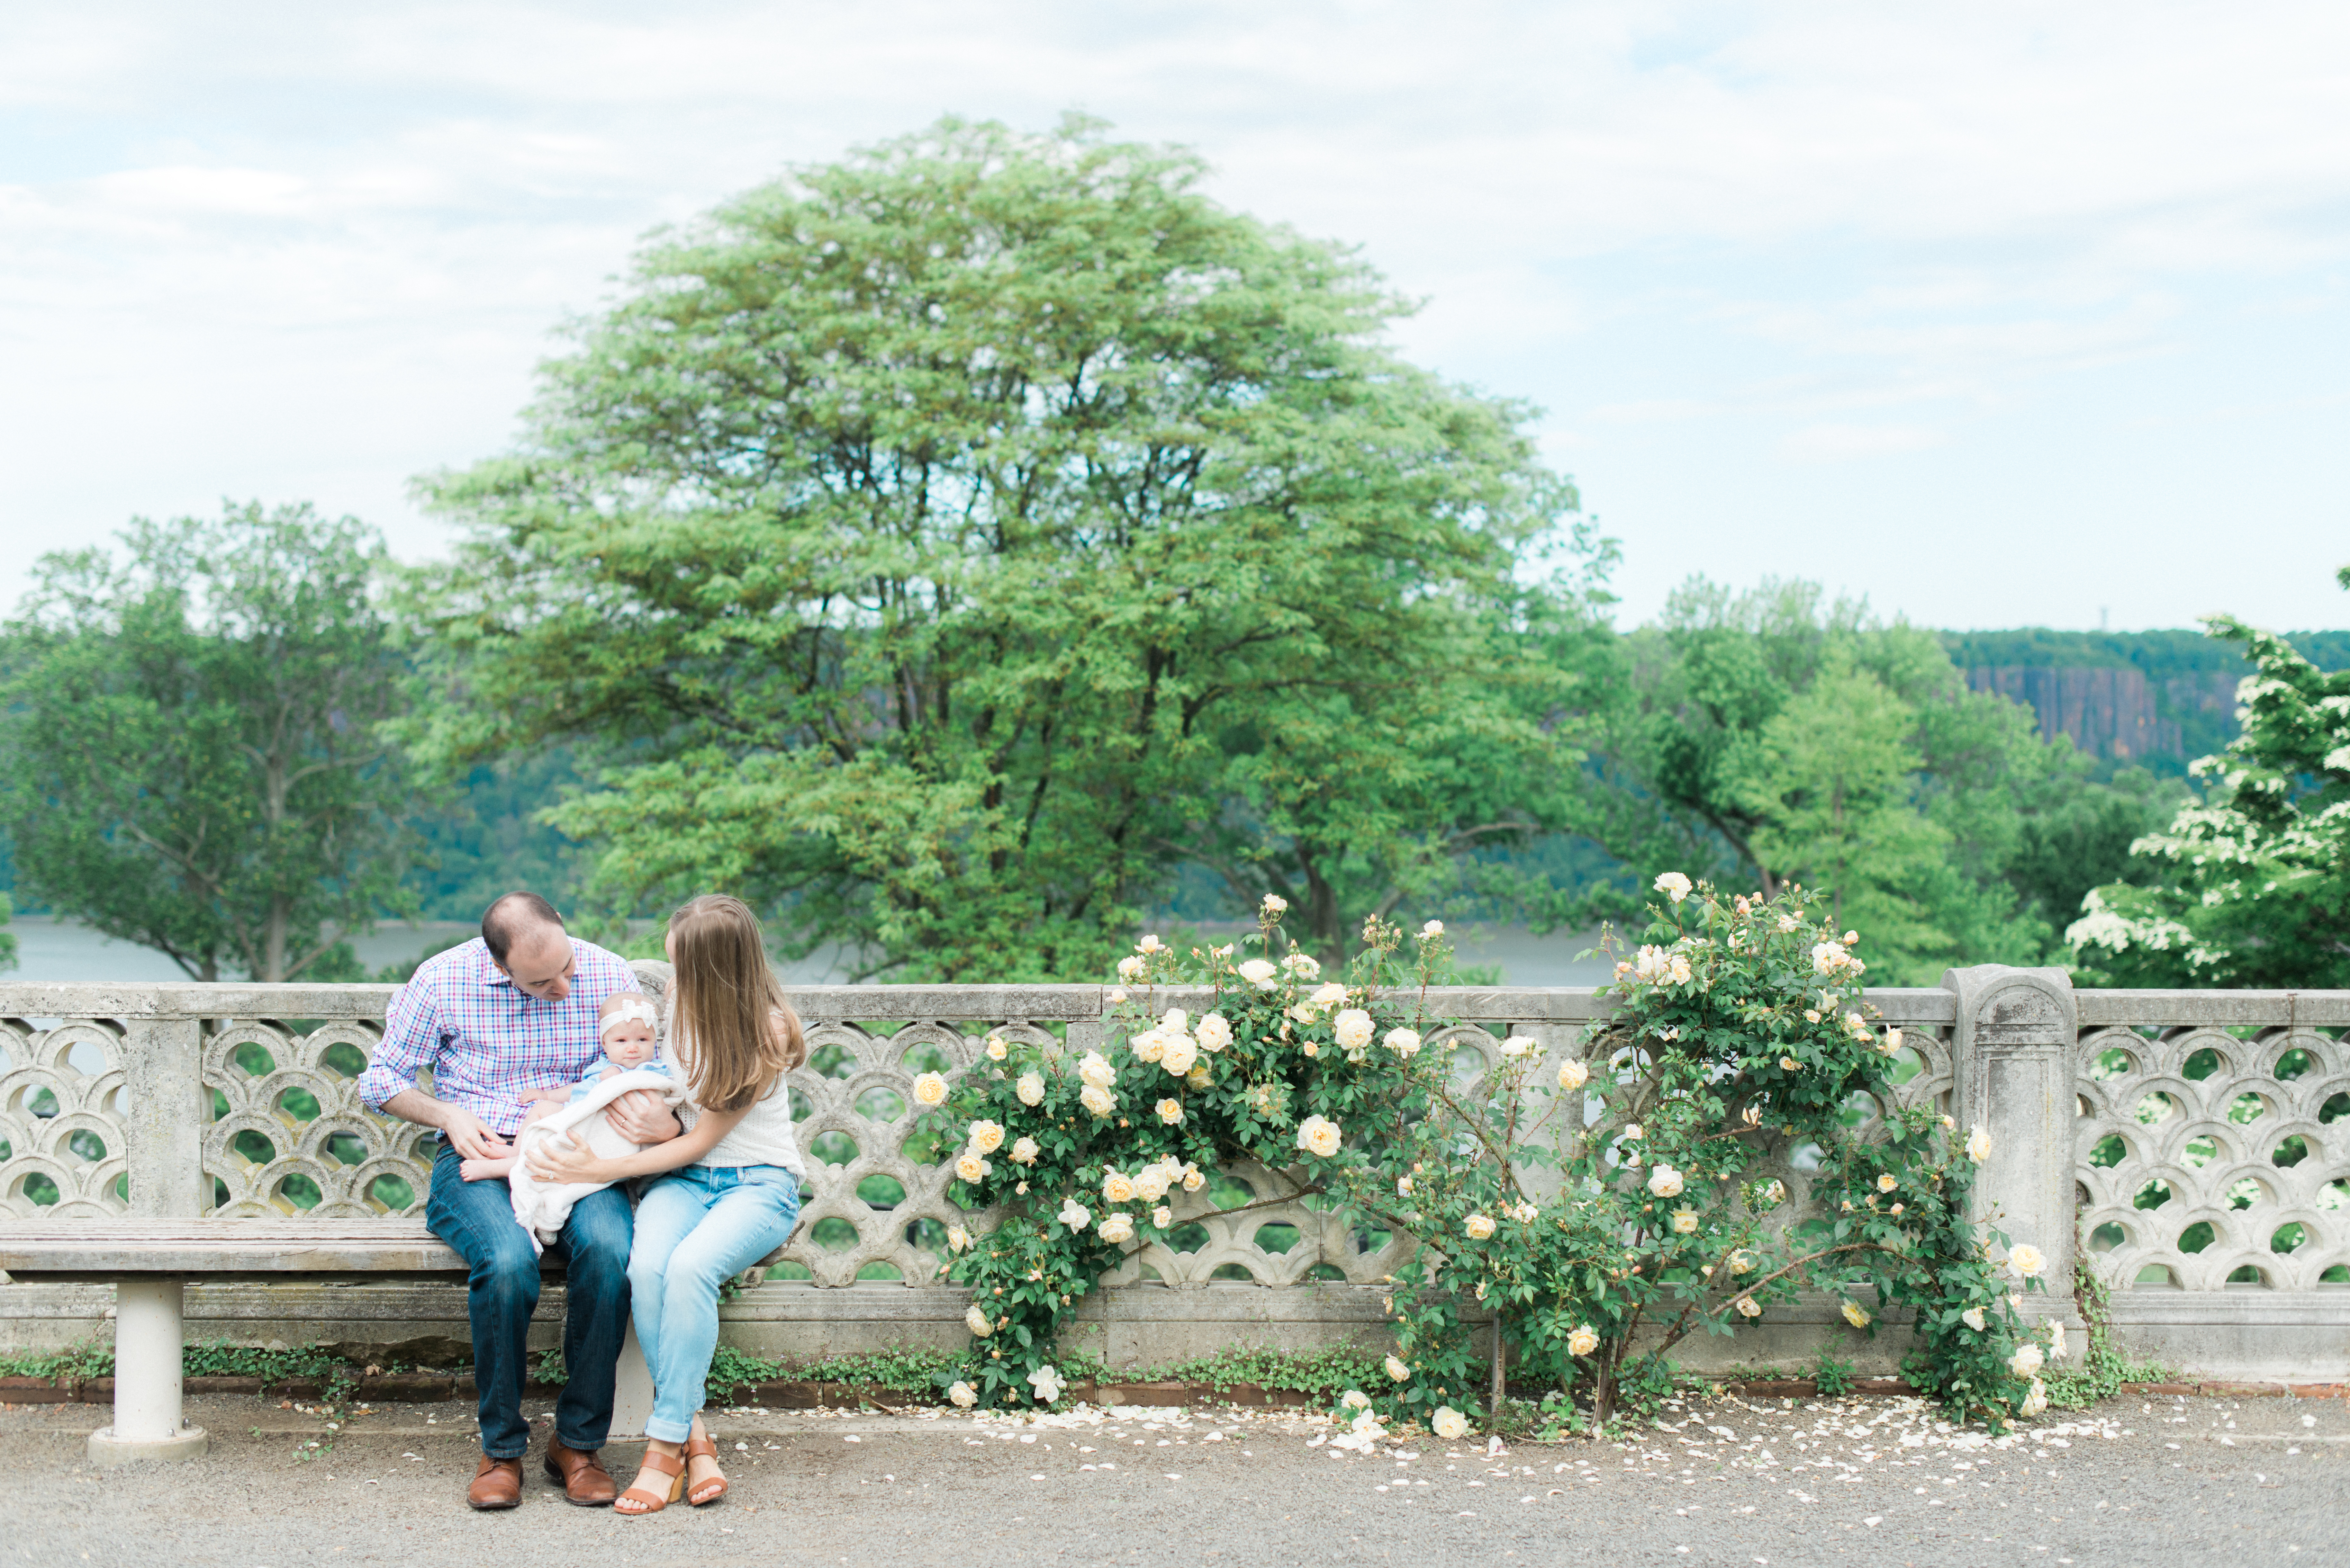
<point x="625" y="1025"/>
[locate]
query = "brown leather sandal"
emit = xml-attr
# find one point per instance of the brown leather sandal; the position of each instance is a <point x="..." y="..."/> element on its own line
<point x="670" y="1465"/>
<point x="701" y="1447"/>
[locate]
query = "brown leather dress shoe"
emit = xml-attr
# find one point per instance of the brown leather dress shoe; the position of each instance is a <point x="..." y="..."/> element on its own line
<point x="585" y="1479"/>
<point x="496" y="1484"/>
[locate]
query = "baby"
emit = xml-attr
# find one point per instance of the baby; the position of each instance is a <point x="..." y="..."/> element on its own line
<point x="577" y="1113"/>
<point x="625" y="1025"/>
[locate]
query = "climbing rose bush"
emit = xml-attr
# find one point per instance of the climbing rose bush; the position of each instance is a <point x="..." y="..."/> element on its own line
<point x="1601" y="1204"/>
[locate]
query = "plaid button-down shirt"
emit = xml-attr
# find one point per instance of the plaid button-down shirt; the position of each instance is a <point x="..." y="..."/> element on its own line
<point x="485" y="1038"/>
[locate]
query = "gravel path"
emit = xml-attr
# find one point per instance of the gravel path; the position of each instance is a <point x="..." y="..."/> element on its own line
<point x="1723" y="1481"/>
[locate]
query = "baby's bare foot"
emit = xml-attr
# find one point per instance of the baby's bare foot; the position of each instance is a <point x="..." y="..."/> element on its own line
<point x="482" y="1169"/>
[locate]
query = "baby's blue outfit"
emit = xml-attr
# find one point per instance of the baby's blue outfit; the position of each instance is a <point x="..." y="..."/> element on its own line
<point x="587" y="1085"/>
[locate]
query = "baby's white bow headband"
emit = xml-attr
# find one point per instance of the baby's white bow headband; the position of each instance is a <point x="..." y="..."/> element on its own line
<point x="632" y="1010"/>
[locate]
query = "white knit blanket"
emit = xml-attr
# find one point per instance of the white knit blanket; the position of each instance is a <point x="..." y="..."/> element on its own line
<point x="540" y="1207"/>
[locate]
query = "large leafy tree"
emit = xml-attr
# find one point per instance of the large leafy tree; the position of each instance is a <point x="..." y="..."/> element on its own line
<point x="941" y="543"/>
<point x="188" y="749"/>
<point x="2251" y="885"/>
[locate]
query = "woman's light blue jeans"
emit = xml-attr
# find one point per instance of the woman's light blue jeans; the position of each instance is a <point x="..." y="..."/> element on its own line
<point x="697" y="1228"/>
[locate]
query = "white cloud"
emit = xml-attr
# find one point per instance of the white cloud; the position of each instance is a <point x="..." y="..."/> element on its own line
<point x="286" y="249"/>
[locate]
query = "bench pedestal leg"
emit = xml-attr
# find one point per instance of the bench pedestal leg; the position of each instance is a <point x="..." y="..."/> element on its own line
<point x="632" y="1388"/>
<point x="147" y="1360"/>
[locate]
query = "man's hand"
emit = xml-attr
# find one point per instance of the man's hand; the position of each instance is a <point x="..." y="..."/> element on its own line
<point x="642" y="1116"/>
<point x="469" y="1137"/>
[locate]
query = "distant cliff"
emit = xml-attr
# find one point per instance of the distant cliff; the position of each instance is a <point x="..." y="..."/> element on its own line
<point x="2158" y="699"/>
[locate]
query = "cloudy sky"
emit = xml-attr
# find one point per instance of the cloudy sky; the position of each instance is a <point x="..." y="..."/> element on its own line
<point x="2001" y="314"/>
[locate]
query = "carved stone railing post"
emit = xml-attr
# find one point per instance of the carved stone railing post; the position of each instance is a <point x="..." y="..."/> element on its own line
<point x="2011" y="1065"/>
<point x="164" y="1120"/>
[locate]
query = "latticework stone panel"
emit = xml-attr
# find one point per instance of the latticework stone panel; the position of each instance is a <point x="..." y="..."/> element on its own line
<point x="289" y="1134"/>
<point x="61" y="1119"/>
<point x="2207" y="1160"/>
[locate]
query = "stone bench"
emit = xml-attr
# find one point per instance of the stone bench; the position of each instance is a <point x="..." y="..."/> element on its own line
<point x="150" y="1263"/>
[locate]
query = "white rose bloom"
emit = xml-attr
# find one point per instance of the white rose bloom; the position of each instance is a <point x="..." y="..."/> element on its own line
<point x="986" y="1136"/>
<point x="1398" y="1370"/>
<point x="1518" y="1045"/>
<point x="1259" y="974"/>
<point x="1632" y="1133"/>
<point x="2026" y="1260"/>
<point x="1149" y="945"/>
<point x="1171" y="1111"/>
<point x="1404" y="1042"/>
<point x="1118" y="996"/>
<point x="1775" y="1193"/>
<point x="1074" y="1214"/>
<point x="1978" y="1145"/>
<point x="1329" y="995"/>
<point x="1046" y="1381"/>
<point x="1684" y="1221"/>
<point x="1318" y="1136"/>
<point x="1117" y="1228"/>
<point x="2025" y="1362"/>
<point x="978" y="1321"/>
<point x="1973" y="1318"/>
<point x="1180" y="1056"/>
<point x="1673" y="886"/>
<point x="1749" y="1307"/>
<point x="1740" y="1262"/>
<point x="969" y="1167"/>
<point x="1094" y="1069"/>
<point x="1665" y="1181"/>
<point x="1129" y="968"/>
<point x="1583" y="1341"/>
<point x="1888" y="1182"/>
<point x="1031" y="1088"/>
<point x="1175" y="1020"/>
<point x="1680" y="969"/>
<point x="1025" y="1151"/>
<point x="2055" y="1339"/>
<point x="1148" y="1046"/>
<point x="1354" y="1399"/>
<point x="962" y="1395"/>
<point x="1573" y="1074"/>
<point x="1854" y="1316"/>
<point x="1213" y="1033"/>
<point x="1118" y="1186"/>
<point x="1097" y="1099"/>
<point x="1163" y="1217"/>
<point x="1431" y="931"/>
<point x="1354" y="1029"/>
<point x="1448" y="1423"/>
<point x="1403" y="1186"/>
<point x="1275" y="904"/>
<point x="1304" y="966"/>
<point x="1198" y="1077"/>
<point x="1479" y="1226"/>
<point x="2035" y="1402"/>
<point x="958" y="1239"/>
<point x="930" y="1089"/>
<point x="997" y="1049"/>
<point x="1194" y="1180"/>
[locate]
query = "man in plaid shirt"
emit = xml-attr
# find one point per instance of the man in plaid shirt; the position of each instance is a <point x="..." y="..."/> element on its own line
<point x="516" y="1010"/>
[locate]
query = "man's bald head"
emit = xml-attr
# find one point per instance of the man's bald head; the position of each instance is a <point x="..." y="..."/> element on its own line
<point x="526" y="939"/>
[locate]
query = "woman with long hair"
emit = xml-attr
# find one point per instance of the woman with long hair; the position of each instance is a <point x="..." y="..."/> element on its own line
<point x="729" y="1187"/>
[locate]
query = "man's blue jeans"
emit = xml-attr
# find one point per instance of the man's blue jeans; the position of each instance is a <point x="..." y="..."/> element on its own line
<point x="477" y="1218"/>
<point x="697" y="1228"/>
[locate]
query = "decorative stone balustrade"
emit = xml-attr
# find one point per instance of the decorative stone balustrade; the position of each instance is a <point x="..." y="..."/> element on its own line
<point x="2204" y="1137"/>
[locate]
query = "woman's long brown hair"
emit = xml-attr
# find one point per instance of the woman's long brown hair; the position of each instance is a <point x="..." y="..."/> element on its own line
<point x="731" y="1025"/>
